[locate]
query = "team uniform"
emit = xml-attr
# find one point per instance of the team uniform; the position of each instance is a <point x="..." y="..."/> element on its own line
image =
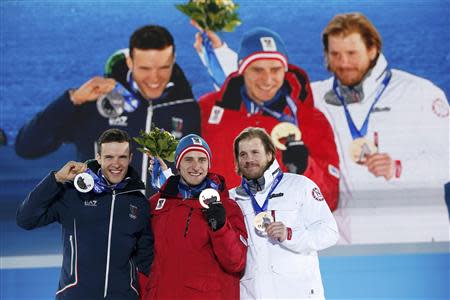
<point x="226" y="113"/>
<point x="288" y="269"/>
<point x="106" y="236"/>
<point x="191" y="260"/>
<point x="63" y="122"/>
<point x="408" y="118"/>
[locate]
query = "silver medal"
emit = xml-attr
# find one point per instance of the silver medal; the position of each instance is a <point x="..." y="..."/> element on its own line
<point x="84" y="182"/>
<point x="111" y="105"/>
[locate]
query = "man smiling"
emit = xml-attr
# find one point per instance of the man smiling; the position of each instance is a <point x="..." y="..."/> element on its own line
<point x="104" y="217"/>
<point x="266" y="91"/>
<point x="392" y="133"/>
<point x="155" y="90"/>
<point x="199" y="252"/>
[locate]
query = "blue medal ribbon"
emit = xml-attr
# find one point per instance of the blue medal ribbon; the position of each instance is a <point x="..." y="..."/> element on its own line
<point x="258" y="209"/>
<point x="253" y="107"/>
<point x="354" y="131"/>
<point x="100" y="184"/>
<point x="131" y="101"/>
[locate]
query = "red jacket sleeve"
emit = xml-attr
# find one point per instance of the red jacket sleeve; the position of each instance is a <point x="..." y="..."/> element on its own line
<point x="230" y="242"/>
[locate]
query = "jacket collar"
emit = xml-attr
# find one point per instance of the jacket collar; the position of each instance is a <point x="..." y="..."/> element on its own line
<point x="366" y="89"/>
<point x="266" y="179"/>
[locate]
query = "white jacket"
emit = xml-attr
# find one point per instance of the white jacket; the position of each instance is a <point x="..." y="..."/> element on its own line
<point x="412" y="123"/>
<point x="289" y="269"/>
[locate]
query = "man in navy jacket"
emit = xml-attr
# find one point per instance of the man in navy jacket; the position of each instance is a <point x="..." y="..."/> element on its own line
<point x="158" y="93"/>
<point x="106" y="233"/>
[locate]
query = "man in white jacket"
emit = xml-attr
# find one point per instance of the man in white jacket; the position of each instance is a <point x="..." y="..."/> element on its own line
<point x="392" y="133"/>
<point x="287" y="221"/>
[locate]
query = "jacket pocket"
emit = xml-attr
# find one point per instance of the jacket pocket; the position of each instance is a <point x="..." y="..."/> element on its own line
<point x="203" y="283"/>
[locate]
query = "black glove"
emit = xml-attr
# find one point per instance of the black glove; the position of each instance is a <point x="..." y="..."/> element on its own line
<point x="295" y="157"/>
<point x="215" y="215"/>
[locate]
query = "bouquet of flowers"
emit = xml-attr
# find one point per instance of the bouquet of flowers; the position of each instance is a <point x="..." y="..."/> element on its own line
<point x="157" y="142"/>
<point x="214" y="15"/>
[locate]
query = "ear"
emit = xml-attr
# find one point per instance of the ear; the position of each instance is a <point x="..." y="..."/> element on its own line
<point x="372" y="53"/>
<point x="129" y="62"/>
<point x="98" y="158"/>
<point x="131" y="156"/>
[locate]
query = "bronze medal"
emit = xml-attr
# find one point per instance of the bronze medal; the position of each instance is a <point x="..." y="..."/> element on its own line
<point x="283" y="131"/>
<point x="262" y="220"/>
<point x="208" y="196"/>
<point x="360" y="148"/>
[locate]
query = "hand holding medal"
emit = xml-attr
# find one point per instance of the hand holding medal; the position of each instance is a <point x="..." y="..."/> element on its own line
<point x="262" y="221"/>
<point x="360" y="148"/>
<point x="75" y="171"/>
<point x="214" y="211"/>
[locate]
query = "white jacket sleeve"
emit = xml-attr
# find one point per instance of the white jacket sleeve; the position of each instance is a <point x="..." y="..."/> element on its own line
<point x="316" y="228"/>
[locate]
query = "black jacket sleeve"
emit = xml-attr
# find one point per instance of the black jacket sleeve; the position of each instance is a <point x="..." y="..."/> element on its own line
<point x="40" y="206"/>
<point x="47" y="130"/>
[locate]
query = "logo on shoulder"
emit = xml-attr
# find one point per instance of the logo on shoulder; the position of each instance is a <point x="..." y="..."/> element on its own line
<point x="440" y="108"/>
<point x="317" y="194"/>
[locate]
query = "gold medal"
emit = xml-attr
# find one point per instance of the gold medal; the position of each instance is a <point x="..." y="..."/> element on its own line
<point x="208" y="196"/>
<point x="360" y="148"/>
<point x="284" y="130"/>
<point x="262" y="220"/>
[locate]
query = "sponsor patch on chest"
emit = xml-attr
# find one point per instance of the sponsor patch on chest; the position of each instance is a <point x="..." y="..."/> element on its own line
<point x="160" y="204"/>
<point x="216" y="115"/>
<point x="118" y="121"/>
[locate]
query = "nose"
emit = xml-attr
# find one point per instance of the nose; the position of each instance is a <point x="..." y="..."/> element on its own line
<point x="266" y="77"/>
<point x="153" y="75"/>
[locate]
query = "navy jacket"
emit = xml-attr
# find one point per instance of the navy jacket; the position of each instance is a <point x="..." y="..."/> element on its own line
<point x="62" y="122"/>
<point x="107" y="237"/>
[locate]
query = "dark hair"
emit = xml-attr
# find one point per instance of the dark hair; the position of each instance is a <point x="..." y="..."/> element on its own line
<point x="113" y="135"/>
<point x="151" y="37"/>
<point x="255" y="132"/>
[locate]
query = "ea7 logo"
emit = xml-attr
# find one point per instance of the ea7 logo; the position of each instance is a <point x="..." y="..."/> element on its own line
<point x="118" y="121"/>
<point x="90" y="203"/>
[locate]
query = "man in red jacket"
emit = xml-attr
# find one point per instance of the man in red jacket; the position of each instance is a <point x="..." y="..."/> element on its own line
<point x="266" y="91"/>
<point x="200" y="248"/>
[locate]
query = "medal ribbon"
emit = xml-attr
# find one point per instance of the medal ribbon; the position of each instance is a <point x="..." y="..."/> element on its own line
<point x="101" y="186"/>
<point x="277" y="115"/>
<point x="354" y="131"/>
<point x="255" y="204"/>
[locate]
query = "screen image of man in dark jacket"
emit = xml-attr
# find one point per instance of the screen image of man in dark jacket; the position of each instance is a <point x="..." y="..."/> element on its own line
<point x="152" y="85"/>
<point x="104" y="216"/>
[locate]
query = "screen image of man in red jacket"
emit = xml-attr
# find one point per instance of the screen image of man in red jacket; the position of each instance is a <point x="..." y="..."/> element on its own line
<point x="266" y="91"/>
<point x="200" y="248"/>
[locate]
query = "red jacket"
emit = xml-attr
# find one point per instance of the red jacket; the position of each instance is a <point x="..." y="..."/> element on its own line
<point x="190" y="260"/>
<point x="224" y="116"/>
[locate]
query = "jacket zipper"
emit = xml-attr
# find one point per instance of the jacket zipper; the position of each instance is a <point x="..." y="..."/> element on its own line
<point x="188" y="221"/>
<point x="71" y="254"/>
<point x="108" y="253"/>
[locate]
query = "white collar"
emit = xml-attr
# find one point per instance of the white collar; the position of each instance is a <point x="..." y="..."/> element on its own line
<point x="373" y="81"/>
